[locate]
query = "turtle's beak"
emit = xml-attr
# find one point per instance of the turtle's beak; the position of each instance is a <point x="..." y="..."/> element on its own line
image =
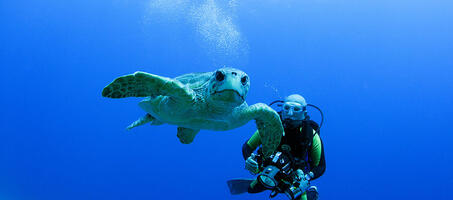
<point x="230" y="94"/>
<point x="233" y="84"/>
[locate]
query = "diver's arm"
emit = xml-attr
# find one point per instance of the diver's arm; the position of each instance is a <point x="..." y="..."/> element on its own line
<point x="251" y="145"/>
<point x="317" y="157"/>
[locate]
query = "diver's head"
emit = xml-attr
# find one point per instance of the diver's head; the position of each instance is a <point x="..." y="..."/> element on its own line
<point x="294" y="110"/>
<point x="228" y="86"/>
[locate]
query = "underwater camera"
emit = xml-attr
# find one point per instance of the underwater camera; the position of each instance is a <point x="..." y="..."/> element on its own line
<point x="277" y="167"/>
<point x="278" y="175"/>
<point x="293" y="192"/>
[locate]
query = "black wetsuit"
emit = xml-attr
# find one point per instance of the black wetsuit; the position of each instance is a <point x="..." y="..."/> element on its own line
<point x="306" y="147"/>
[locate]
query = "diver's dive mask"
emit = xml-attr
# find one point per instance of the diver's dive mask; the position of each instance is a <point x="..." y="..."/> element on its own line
<point x="294" y="111"/>
<point x="293" y="114"/>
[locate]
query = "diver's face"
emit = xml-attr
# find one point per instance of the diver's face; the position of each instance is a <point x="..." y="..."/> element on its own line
<point x="293" y="111"/>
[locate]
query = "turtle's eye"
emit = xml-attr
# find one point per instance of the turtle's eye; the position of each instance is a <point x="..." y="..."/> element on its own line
<point x="219" y="76"/>
<point x="244" y="80"/>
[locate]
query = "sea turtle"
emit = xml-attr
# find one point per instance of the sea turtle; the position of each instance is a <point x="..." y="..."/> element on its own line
<point x="210" y="100"/>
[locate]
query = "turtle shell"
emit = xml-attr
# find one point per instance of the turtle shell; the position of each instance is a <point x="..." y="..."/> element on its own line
<point x="195" y="80"/>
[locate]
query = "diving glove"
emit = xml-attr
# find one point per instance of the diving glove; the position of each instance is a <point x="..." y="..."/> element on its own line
<point x="252" y="165"/>
<point x="303" y="180"/>
<point x="309" y="176"/>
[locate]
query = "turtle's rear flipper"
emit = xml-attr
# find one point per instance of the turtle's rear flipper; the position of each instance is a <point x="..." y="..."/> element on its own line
<point x="145" y="119"/>
<point x="186" y="135"/>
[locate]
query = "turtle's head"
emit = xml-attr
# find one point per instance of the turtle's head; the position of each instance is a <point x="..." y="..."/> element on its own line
<point x="228" y="86"/>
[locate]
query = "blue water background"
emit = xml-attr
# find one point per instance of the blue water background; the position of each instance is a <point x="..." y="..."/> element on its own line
<point x="380" y="70"/>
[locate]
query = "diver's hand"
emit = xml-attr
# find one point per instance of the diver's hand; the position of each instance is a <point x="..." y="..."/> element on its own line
<point x="309" y="176"/>
<point x="252" y="165"/>
<point x="303" y="180"/>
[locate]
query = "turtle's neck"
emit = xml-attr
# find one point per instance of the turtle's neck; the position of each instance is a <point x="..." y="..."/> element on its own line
<point x="218" y="108"/>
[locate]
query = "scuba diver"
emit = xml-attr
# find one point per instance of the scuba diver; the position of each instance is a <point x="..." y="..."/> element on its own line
<point x="298" y="160"/>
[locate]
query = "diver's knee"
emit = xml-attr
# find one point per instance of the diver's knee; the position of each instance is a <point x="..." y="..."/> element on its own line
<point x="312" y="193"/>
<point x="256" y="187"/>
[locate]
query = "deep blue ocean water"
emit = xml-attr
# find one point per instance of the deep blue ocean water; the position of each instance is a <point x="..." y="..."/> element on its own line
<point x="380" y="70"/>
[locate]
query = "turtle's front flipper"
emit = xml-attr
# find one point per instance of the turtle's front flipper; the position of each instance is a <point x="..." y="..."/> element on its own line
<point x="143" y="120"/>
<point x="186" y="135"/>
<point x="142" y="84"/>
<point x="268" y="123"/>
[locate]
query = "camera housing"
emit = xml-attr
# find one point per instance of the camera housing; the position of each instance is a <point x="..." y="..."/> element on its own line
<point x="277" y="167"/>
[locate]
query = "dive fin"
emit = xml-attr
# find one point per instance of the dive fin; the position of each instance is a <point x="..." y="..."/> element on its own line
<point x="239" y="186"/>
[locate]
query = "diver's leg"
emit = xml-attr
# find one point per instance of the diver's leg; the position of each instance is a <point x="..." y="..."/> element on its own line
<point x="303" y="196"/>
<point x="256" y="187"/>
<point x="312" y="193"/>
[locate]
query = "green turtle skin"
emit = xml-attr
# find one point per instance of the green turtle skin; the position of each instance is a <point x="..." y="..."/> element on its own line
<point x="195" y="101"/>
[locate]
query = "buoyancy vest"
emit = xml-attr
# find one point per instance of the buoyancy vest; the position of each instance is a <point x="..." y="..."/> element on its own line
<point x="300" y="140"/>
